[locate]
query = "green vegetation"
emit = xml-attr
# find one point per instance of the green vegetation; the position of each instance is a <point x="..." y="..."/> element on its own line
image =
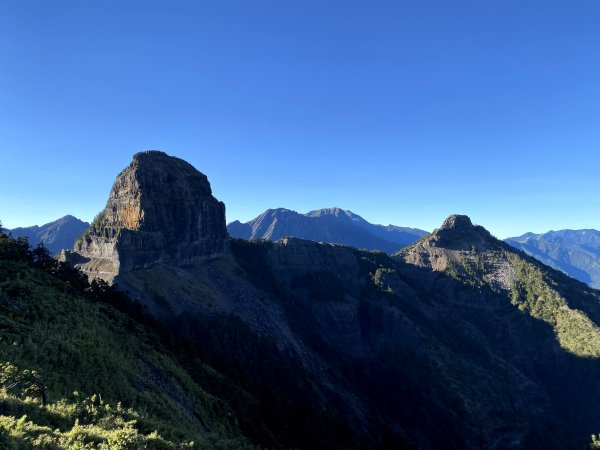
<point x="82" y="367"/>
<point x="378" y="278"/>
<point x="531" y="291"/>
<point x="473" y="268"/>
<point x="452" y="271"/>
<point x="99" y="222"/>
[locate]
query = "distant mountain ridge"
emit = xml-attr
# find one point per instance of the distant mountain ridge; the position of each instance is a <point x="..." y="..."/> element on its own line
<point x="574" y="252"/>
<point x="57" y="235"/>
<point x="331" y="225"/>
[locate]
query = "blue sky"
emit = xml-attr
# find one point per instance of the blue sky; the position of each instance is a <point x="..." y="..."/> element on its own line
<point x="403" y="112"/>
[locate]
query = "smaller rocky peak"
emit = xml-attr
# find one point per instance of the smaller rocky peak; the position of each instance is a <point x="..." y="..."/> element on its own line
<point x="454" y="242"/>
<point x="457" y="222"/>
<point x="459" y="232"/>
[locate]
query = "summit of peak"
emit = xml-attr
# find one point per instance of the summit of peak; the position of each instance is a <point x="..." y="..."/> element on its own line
<point x="457" y="222"/>
<point x="459" y="226"/>
<point x="334" y="211"/>
<point x="151" y="154"/>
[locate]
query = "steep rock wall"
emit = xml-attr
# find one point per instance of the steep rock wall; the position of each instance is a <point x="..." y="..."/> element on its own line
<point x="160" y="211"/>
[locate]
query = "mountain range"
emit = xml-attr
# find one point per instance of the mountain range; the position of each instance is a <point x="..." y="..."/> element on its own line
<point x="332" y="225"/>
<point x="56" y="236"/>
<point x="575" y="252"/>
<point x="458" y="341"/>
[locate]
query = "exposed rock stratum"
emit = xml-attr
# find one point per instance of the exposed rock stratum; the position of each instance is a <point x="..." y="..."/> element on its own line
<point x="160" y="211"/>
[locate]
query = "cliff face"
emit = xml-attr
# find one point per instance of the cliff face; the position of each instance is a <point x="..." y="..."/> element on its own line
<point x="160" y="211"/>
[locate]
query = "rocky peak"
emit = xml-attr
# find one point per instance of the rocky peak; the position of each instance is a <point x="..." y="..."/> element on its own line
<point x="457" y="222"/>
<point x="456" y="239"/>
<point x="160" y="211"/>
<point x="458" y="230"/>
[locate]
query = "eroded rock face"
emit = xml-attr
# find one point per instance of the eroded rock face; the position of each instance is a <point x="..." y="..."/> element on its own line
<point x="464" y="250"/>
<point x="453" y="241"/>
<point x="160" y="211"/>
<point x="457" y="222"/>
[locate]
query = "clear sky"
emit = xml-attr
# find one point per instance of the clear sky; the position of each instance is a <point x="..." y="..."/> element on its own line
<point x="403" y="112"/>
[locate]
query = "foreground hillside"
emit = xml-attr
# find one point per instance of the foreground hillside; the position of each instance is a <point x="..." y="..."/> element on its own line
<point x="82" y="367"/>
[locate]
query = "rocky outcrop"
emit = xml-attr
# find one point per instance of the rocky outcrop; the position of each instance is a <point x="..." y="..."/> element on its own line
<point x="449" y="242"/>
<point x="458" y="229"/>
<point x="457" y="222"/>
<point x="160" y="211"/>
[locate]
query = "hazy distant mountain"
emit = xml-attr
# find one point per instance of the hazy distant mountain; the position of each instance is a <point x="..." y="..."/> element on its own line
<point x="55" y="235"/>
<point x="575" y="252"/>
<point x="332" y="225"/>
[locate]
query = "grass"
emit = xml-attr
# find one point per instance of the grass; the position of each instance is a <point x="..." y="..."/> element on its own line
<point x="534" y="293"/>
